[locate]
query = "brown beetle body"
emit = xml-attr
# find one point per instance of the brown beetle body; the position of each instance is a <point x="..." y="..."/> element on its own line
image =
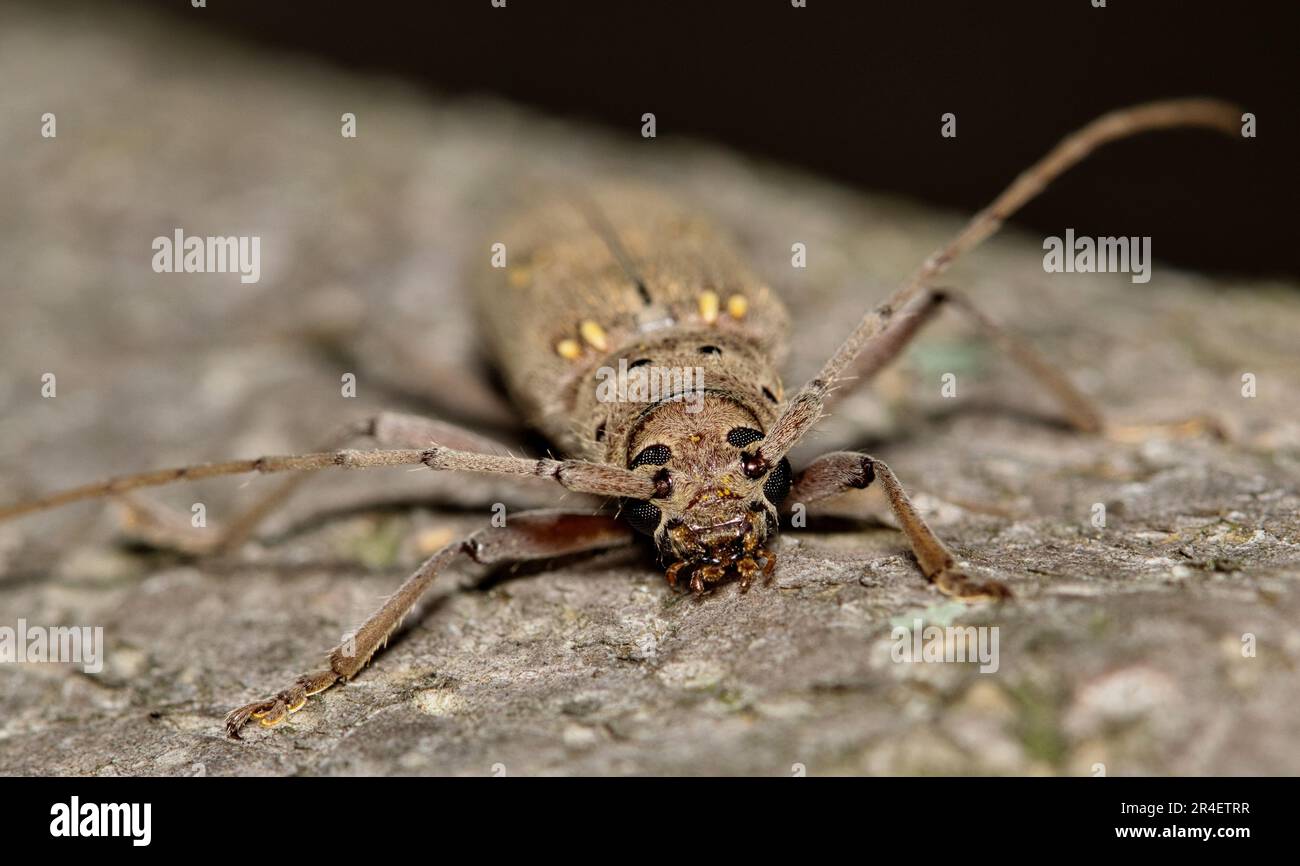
<point x="622" y="277"/>
<point x="617" y="284"/>
<point x="565" y="270"/>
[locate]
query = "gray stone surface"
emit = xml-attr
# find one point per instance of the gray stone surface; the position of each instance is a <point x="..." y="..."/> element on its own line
<point x="1123" y="648"/>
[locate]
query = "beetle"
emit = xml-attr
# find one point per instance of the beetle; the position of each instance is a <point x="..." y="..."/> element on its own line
<point x="614" y="277"/>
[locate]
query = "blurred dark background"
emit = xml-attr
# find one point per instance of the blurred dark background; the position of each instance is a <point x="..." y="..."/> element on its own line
<point x="855" y="91"/>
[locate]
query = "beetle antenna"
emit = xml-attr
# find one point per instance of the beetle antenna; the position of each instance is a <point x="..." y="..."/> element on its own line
<point x="805" y="409"/>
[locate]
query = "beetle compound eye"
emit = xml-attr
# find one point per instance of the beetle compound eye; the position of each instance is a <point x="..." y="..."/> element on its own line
<point x="742" y="436"/>
<point x="641" y="515"/>
<point x="777" y="487"/>
<point x="655" y="455"/>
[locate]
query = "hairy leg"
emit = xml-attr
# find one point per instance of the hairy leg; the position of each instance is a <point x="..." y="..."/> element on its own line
<point x="528" y="535"/>
<point x="1082" y="413"/>
<point x="340" y="326"/>
<point x="842" y="471"/>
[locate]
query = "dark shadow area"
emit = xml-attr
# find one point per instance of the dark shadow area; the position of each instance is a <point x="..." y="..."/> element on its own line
<point x="856" y="91"/>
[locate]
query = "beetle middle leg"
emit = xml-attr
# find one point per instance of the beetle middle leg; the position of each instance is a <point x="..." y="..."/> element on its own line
<point x="1080" y="411"/>
<point x="843" y="471"/>
<point x="542" y="534"/>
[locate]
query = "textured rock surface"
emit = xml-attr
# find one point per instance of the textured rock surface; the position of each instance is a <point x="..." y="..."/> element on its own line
<point x="1124" y="647"/>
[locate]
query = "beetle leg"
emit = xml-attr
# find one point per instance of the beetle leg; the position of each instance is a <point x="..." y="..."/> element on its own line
<point x="529" y="535"/>
<point x="842" y="471"/>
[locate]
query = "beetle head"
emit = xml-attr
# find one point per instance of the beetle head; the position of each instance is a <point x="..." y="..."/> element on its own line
<point x="708" y="517"/>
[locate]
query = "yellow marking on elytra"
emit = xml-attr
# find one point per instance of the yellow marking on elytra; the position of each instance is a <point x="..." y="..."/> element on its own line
<point x="695" y="438"/>
<point x="519" y="277"/>
<point x="709" y="302"/>
<point x="435" y="539"/>
<point x="594" y="334"/>
<point x="737" y="306"/>
<point x="569" y="349"/>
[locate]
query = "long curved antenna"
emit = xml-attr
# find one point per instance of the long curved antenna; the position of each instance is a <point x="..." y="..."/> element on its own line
<point x="806" y="407"/>
<point x="577" y="475"/>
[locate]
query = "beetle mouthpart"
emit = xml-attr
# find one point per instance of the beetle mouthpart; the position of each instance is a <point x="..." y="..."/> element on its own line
<point x="706" y="576"/>
<point x="747" y="568"/>
<point x="709" y="561"/>
<point x="710" y="570"/>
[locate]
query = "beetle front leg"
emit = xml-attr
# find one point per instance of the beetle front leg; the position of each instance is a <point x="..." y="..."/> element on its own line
<point x="843" y="471"/>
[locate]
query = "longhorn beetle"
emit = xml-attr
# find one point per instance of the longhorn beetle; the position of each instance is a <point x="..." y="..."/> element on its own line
<point x="623" y="277"/>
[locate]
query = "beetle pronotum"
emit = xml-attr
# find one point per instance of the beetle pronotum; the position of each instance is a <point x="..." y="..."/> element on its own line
<point x="619" y="277"/>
